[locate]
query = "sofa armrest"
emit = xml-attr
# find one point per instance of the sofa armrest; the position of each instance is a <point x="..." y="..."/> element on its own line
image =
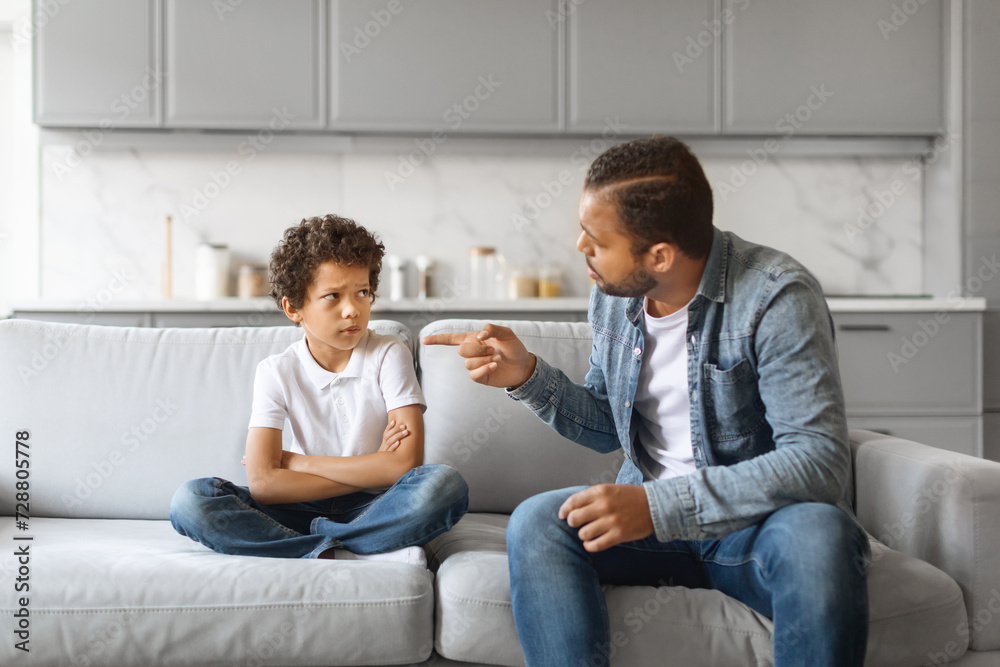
<point x="938" y="506"/>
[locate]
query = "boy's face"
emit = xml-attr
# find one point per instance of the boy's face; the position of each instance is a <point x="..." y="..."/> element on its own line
<point x="335" y="313"/>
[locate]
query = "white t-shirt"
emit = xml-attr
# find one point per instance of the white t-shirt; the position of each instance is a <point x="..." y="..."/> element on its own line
<point x="661" y="397"/>
<point x="335" y="414"/>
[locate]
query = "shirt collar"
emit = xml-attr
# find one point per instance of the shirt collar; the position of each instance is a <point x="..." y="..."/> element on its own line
<point x="713" y="278"/>
<point x="322" y="377"/>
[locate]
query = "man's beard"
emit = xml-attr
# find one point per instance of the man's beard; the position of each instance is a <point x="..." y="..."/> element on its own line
<point x="637" y="283"/>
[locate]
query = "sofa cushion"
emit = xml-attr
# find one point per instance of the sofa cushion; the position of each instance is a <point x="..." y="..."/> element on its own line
<point x="126" y="592"/>
<point x="914" y="610"/>
<point x="121" y="416"/>
<point x="487" y="436"/>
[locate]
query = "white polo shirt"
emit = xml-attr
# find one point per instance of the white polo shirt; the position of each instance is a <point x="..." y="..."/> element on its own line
<point x="335" y="414"/>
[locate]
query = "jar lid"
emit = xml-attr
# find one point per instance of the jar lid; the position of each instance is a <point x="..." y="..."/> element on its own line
<point x="482" y="250"/>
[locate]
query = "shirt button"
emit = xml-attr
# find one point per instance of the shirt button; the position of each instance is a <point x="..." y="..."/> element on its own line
<point x="628" y="404"/>
<point x="341" y="401"/>
<point x="637" y="351"/>
<point x="344" y="418"/>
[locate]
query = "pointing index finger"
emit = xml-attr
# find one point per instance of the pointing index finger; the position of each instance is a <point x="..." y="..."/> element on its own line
<point x="444" y="339"/>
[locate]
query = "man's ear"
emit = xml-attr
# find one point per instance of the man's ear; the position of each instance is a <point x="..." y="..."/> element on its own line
<point x="662" y="256"/>
<point x="290" y="312"/>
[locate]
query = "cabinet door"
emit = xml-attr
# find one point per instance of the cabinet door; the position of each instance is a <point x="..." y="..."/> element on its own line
<point x="97" y="64"/>
<point x="652" y="65"/>
<point x="849" y="67"/>
<point x="451" y="65"/>
<point x="910" y="363"/>
<point x="252" y="64"/>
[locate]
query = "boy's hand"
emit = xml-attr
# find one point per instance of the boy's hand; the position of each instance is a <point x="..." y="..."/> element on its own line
<point x="493" y="356"/>
<point x="394" y="433"/>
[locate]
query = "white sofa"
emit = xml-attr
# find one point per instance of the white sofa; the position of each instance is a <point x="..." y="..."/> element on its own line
<point x="119" y="417"/>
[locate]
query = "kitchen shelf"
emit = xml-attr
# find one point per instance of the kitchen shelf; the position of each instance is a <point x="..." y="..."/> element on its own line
<point x="459" y="306"/>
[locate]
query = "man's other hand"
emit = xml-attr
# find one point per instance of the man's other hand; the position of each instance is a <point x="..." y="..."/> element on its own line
<point x="494" y="356"/>
<point x="608" y="514"/>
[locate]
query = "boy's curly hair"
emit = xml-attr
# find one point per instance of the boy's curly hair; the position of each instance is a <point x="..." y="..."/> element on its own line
<point x="315" y="241"/>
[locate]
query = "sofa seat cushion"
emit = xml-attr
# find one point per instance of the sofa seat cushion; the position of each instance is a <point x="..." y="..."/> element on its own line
<point x="915" y="610"/>
<point x="133" y="592"/>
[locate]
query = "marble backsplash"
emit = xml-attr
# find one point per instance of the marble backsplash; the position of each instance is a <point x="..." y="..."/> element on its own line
<point x="857" y="223"/>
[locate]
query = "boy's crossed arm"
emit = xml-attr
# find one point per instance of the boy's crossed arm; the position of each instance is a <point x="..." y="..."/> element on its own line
<point x="276" y="476"/>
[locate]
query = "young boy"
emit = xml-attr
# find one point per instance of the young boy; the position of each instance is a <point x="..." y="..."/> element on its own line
<point x="352" y="485"/>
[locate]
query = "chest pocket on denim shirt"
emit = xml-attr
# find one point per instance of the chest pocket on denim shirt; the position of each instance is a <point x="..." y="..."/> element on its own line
<point x="733" y="406"/>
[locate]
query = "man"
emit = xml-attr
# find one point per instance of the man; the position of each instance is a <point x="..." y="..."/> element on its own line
<point x="714" y="368"/>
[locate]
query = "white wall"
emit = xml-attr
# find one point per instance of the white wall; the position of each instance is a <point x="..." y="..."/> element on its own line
<point x="19" y="213"/>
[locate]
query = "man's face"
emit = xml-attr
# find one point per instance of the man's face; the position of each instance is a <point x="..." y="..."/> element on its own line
<point x="608" y="250"/>
<point x="337" y="307"/>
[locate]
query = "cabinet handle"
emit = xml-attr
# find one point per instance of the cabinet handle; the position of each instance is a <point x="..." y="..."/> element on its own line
<point x="865" y="327"/>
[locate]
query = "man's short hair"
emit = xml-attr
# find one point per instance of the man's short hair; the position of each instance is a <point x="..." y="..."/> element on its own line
<point x="660" y="192"/>
<point x="315" y="241"/>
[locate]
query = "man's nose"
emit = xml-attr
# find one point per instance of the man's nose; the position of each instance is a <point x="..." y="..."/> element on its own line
<point x="581" y="243"/>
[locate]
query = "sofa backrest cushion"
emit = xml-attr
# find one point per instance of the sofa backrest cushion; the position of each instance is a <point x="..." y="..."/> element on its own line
<point x="119" y="417"/>
<point x="503" y="451"/>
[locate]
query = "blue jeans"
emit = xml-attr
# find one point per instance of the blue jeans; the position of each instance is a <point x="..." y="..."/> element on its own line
<point x="421" y="505"/>
<point x="802" y="567"/>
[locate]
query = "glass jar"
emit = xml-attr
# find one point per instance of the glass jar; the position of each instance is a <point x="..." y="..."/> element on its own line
<point x="550" y="281"/>
<point x="523" y="283"/>
<point x="425" y="269"/>
<point x="397" y="277"/>
<point x="482" y="273"/>
<point x="252" y="281"/>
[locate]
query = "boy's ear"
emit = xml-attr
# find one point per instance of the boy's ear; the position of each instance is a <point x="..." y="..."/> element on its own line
<point x="290" y="312"/>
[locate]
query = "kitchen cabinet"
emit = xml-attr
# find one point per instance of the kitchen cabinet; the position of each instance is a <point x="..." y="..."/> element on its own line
<point x="851" y="67"/>
<point x="443" y="67"/>
<point x="97" y="64"/>
<point x="652" y="66"/>
<point x="917" y="364"/>
<point x="917" y="376"/>
<point x="255" y="64"/>
<point x="479" y="66"/>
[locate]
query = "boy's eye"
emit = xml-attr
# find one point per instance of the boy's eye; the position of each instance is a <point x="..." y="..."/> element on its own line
<point x="364" y="292"/>
<point x="331" y="296"/>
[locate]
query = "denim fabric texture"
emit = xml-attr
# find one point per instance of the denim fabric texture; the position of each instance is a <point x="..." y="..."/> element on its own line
<point x="425" y="502"/>
<point x="768" y="426"/>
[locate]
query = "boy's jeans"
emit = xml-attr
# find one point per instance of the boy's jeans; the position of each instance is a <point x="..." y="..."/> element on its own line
<point x="802" y="567"/>
<point x="422" y="504"/>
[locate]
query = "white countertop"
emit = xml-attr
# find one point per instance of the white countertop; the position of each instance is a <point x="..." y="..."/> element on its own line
<point x="436" y="305"/>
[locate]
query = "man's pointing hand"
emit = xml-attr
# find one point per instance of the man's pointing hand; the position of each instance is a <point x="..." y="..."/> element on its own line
<point x="494" y="356"/>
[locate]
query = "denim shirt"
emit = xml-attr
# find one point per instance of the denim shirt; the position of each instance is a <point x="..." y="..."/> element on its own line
<point x="768" y="427"/>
